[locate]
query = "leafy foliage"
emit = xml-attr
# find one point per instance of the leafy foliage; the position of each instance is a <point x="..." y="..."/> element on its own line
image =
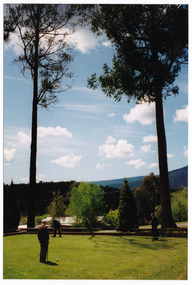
<point x="43" y="41"/>
<point x="147" y="197"/>
<point x="179" y="205"/>
<point x="112" y="218"/>
<point x="86" y="203"/>
<point x="57" y="206"/>
<point x="138" y="32"/>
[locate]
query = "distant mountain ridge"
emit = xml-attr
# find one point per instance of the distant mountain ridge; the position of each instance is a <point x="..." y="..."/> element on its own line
<point x="177" y="178"/>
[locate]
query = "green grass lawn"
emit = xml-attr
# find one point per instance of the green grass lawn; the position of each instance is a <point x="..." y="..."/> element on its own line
<point x="98" y="257"/>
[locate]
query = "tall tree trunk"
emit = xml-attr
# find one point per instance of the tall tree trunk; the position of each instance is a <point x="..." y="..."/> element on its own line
<point x="32" y="178"/>
<point x="33" y="157"/>
<point x="167" y="219"/>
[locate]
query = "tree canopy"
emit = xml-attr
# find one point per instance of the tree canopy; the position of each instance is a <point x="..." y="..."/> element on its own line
<point x="151" y="43"/>
<point x="42" y="32"/>
<point x="86" y="203"/>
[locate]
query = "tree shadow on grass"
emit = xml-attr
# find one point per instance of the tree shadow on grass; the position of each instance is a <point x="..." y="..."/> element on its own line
<point x="92" y="236"/>
<point x="147" y="245"/>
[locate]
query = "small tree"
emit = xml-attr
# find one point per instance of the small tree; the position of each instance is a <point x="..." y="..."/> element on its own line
<point x="144" y="204"/>
<point x="147" y="196"/>
<point x="57" y="206"/>
<point x="112" y="218"/>
<point x="86" y="203"/>
<point x="127" y="208"/>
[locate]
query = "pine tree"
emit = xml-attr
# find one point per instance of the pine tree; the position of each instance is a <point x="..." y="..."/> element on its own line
<point x="127" y="208"/>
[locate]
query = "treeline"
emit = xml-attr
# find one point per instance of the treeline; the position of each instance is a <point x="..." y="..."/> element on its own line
<point x="45" y="191"/>
<point x="147" y="199"/>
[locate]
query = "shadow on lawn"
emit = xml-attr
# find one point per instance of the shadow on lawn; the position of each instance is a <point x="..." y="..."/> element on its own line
<point x="51" y="263"/>
<point x="147" y="245"/>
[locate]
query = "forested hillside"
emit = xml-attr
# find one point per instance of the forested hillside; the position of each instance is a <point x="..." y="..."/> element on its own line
<point x="177" y="178"/>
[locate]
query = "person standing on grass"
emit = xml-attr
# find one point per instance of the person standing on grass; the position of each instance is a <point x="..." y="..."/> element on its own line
<point x="154" y="226"/>
<point x="43" y="236"/>
<point x="56" y="226"/>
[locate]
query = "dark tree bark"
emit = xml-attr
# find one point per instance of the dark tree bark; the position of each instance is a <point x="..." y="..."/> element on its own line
<point x="167" y="219"/>
<point x="33" y="157"/>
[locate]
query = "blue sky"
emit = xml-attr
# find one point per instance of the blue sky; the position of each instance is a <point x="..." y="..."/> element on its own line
<point x="87" y="136"/>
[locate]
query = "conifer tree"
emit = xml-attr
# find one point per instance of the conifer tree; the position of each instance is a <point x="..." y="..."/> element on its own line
<point x="127" y="208"/>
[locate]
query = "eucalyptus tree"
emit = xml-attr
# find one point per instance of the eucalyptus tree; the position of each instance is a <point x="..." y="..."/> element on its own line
<point x="151" y="44"/>
<point x="42" y="31"/>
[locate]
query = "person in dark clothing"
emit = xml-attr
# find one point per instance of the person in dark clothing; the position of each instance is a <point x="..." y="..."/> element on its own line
<point x="154" y="226"/>
<point x="56" y="226"/>
<point x="43" y="236"/>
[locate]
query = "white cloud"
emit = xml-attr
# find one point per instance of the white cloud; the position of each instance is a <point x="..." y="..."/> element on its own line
<point x="50" y="131"/>
<point x="121" y="149"/>
<point x="84" y="108"/>
<point x="137" y="163"/>
<point x="9" y="155"/>
<point x="144" y="113"/>
<point x="101" y="166"/>
<point x="15" y="43"/>
<point x="150" y="138"/>
<point x="68" y="161"/>
<point x="110" y="139"/>
<point x="84" y="40"/>
<point x="111" y="115"/>
<point x="181" y="115"/>
<point x="39" y="178"/>
<point x="169" y="155"/>
<point x="106" y="44"/>
<point x="25" y="179"/>
<point x="24" y="139"/>
<point x="145" y="148"/>
<point x="185" y="151"/>
<point x="153" y="165"/>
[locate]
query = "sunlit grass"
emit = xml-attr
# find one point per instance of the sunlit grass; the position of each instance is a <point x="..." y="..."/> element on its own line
<point x="98" y="257"/>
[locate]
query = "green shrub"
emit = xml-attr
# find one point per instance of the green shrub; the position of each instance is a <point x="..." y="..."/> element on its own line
<point x="179" y="205"/>
<point x="57" y="207"/>
<point x="112" y="218"/>
<point x="158" y="212"/>
<point x="38" y="219"/>
<point x="86" y="203"/>
<point x="23" y="220"/>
